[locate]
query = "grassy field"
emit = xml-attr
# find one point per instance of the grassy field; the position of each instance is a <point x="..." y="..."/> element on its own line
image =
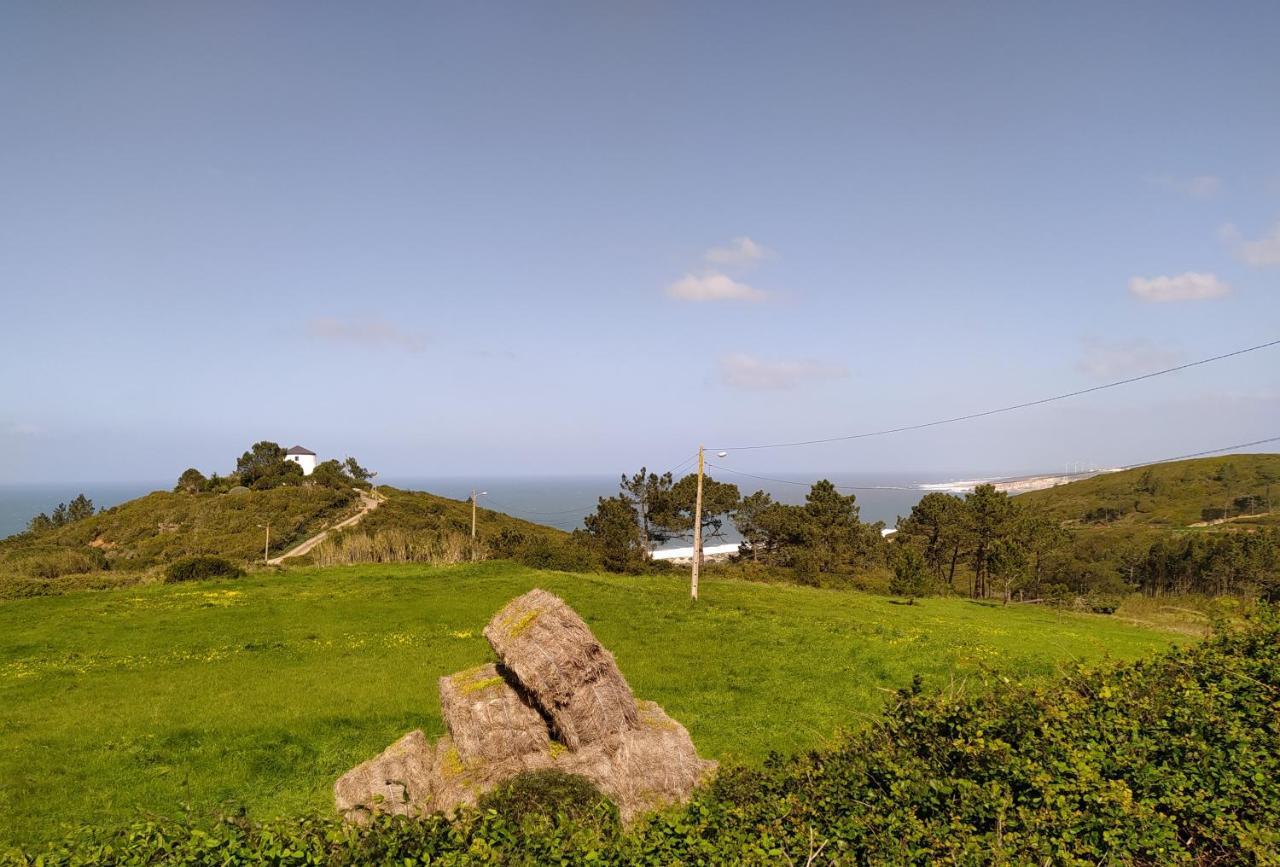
<point x="260" y="692"/>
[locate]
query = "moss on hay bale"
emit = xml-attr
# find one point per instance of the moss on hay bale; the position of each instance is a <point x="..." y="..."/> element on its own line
<point x="489" y="720"/>
<point x="557" y="659"/>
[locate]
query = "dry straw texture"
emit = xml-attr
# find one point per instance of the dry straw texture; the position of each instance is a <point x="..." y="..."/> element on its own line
<point x="489" y="720"/>
<point x="553" y="654"/>
<point x="398" y="546"/>
<point x="398" y="781"/>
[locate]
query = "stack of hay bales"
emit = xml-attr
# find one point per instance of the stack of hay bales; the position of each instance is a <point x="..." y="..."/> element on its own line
<point x="556" y="700"/>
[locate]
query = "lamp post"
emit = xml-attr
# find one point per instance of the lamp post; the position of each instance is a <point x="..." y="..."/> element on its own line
<point x="474" y="494"/>
<point x="697" y="528"/>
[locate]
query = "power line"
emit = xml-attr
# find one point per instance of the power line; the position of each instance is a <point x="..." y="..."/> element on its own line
<point x="578" y="509"/>
<point x="806" y="484"/>
<point x="1011" y="408"/>
<point x="518" y="511"/>
<point x="1007" y="478"/>
<point x="1202" y="454"/>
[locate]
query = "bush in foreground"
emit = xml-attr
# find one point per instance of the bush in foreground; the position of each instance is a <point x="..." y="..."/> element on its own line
<point x="200" y="568"/>
<point x="1174" y="760"/>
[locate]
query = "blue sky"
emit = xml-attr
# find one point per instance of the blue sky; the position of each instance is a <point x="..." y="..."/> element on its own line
<point x="579" y="237"/>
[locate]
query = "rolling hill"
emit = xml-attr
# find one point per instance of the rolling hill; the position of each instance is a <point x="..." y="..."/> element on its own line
<point x="121" y="545"/>
<point x="1226" y="491"/>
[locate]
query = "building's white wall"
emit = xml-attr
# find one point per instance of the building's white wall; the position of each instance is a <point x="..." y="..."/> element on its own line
<point x="307" y="462"/>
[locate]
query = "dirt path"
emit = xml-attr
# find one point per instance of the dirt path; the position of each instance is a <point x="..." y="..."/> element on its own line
<point x="368" y="502"/>
<point x="1216" y="521"/>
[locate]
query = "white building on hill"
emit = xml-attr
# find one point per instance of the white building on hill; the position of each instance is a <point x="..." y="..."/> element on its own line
<point x="304" y="458"/>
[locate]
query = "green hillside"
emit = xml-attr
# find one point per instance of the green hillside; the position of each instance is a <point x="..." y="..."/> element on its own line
<point x="1172" y="495"/>
<point x="417" y="511"/>
<point x="129" y="542"/>
<point x="260" y="692"/>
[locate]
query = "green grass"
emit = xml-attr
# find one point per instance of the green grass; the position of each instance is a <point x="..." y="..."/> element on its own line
<point x="261" y="691"/>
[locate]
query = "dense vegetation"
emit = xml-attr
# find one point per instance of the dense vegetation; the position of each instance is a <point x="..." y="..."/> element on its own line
<point x="1168" y="761"/>
<point x="257" y="693"/>
<point x="1047" y="546"/>
<point x="264" y="466"/>
<point x="201" y="568"/>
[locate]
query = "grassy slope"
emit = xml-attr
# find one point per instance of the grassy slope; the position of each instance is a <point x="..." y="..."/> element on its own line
<point x="262" y="691"/>
<point x="164" y="526"/>
<point x="419" y="510"/>
<point x="1183" y="488"/>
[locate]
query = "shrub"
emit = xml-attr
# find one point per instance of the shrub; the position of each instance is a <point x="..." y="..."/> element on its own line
<point x="200" y="568"/>
<point x="538" y="796"/>
<point x="64" y="561"/>
<point x="910" y="574"/>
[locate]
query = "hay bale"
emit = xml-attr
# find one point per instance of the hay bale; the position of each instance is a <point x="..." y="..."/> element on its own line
<point x="459" y="782"/>
<point x="397" y="781"/>
<point x="490" y="721"/>
<point x="643" y="769"/>
<point x="574" y="680"/>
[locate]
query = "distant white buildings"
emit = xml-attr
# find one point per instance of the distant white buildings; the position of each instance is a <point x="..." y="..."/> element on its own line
<point x="304" y="458"/>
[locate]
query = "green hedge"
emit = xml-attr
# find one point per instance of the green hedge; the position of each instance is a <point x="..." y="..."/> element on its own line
<point x="200" y="568"/>
<point x="1175" y="760"/>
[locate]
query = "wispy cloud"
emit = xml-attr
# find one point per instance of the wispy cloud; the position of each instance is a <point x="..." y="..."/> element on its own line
<point x="1198" y="187"/>
<point x="1190" y="286"/>
<point x="365" y="332"/>
<point x="714" y="286"/>
<point x="746" y="371"/>
<point x="1260" y="253"/>
<point x="23" y="429"/>
<point x="739" y="251"/>
<point x="1106" y="360"/>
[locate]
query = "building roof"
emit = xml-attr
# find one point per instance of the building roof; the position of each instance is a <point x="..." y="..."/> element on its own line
<point x="299" y="450"/>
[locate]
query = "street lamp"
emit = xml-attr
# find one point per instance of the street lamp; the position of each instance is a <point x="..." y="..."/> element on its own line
<point x="474" y="494"/>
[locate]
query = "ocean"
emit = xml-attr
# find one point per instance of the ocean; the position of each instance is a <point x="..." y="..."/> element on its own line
<point x="559" y="501"/>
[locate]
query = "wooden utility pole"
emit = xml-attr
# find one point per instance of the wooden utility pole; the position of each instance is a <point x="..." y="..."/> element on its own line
<point x="697" y="533"/>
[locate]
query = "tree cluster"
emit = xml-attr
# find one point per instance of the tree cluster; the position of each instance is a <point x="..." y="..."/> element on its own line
<point x="822" y="536"/>
<point x="65" y="513"/>
<point x="1212" y="564"/>
<point x="987" y="539"/>
<point x="264" y="466"/>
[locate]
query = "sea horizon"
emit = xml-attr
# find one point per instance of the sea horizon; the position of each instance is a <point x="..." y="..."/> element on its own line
<point x="559" y="500"/>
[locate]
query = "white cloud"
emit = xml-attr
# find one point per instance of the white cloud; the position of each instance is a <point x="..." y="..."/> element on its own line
<point x="1190" y="286"/>
<point x="23" y="429"/>
<point x="745" y="371"/>
<point x="1111" y="360"/>
<point x="365" y="332"/>
<point x="1198" y="187"/>
<point x="739" y="251"/>
<point x="1260" y="253"/>
<point x="714" y="286"/>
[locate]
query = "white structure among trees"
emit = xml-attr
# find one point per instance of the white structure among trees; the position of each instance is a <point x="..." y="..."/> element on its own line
<point x="304" y="458"/>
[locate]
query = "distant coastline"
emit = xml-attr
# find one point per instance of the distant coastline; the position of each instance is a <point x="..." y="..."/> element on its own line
<point x="1019" y="485"/>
